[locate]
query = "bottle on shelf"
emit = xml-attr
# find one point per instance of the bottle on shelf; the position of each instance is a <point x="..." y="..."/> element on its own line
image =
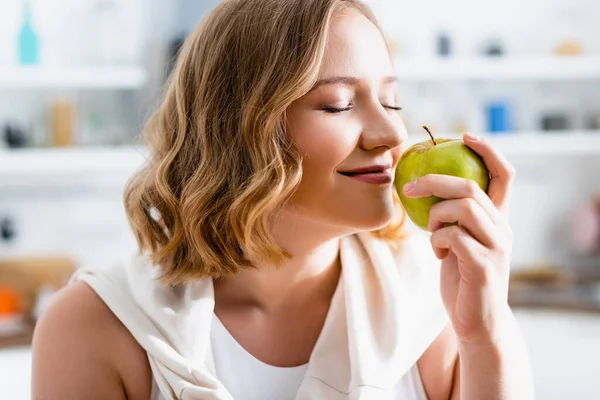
<point x="498" y="116"/>
<point x="62" y="123"/>
<point x="28" y="38"/>
<point x="593" y="121"/>
<point x="14" y="136"/>
<point x="443" y="44"/>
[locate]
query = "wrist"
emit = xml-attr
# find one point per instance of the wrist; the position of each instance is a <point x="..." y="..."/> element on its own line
<point x="496" y="365"/>
<point x="499" y="328"/>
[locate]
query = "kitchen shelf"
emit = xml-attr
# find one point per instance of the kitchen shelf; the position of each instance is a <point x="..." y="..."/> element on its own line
<point x="45" y="164"/>
<point x="549" y="143"/>
<point x="73" y="162"/>
<point x="499" y="69"/>
<point x="564" y="143"/>
<point x="124" y="78"/>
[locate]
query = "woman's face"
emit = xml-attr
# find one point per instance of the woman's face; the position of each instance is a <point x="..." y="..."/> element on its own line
<point x="346" y="123"/>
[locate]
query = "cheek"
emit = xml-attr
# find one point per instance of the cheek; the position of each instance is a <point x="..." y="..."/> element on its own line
<point x="325" y="143"/>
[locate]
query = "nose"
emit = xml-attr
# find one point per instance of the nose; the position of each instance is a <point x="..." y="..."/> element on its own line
<point x="382" y="129"/>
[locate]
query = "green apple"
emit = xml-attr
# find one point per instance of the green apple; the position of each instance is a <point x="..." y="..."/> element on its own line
<point x="436" y="156"/>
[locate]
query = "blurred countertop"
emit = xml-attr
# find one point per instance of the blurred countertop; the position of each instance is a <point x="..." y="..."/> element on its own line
<point x="558" y="287"/>
<point x="581" y="297"/>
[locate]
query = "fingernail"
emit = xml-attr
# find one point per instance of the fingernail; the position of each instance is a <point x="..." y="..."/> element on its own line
<point x="472" y="137"/>
<point x="409" y="186"/>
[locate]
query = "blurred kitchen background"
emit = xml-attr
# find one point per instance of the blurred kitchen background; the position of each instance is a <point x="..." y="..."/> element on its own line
<point x="79" y="77"/>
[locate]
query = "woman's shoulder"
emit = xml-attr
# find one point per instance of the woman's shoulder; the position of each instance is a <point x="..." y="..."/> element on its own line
<point x="81" y="348"/>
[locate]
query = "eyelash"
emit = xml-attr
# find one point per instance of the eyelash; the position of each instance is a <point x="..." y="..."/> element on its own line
<point x="332" y="110"/>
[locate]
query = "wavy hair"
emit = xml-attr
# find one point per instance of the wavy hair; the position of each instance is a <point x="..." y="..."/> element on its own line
<point x="220" y="161"/>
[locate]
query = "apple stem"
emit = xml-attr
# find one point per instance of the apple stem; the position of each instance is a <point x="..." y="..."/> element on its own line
<point x="430" y="135"/>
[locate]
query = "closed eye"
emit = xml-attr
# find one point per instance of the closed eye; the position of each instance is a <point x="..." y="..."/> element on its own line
<point x="333" y="110"/>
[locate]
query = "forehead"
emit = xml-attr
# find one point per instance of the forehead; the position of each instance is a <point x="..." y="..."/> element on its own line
<point x="355" y="47"/>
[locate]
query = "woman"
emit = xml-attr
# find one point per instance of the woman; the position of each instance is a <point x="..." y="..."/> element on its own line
<point x="273" y="260"/>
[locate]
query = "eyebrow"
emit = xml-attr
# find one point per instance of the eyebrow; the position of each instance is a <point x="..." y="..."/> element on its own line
<point x="348" y="80"/>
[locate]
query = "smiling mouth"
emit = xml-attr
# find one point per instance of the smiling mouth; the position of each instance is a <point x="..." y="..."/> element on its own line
<point x="351" y="174"/>
<point x="374" y="177"/>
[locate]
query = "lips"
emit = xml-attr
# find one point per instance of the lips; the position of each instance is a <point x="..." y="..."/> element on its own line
<point x="372" y="169"/>
<point x="376" y="174"/>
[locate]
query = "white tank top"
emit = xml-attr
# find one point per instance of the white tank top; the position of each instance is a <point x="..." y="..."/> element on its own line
<point x="248" y="378"/>
<point x="362" y="353"/>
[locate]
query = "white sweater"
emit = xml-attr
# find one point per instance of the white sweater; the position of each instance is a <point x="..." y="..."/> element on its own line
<point x="385" y="314"/>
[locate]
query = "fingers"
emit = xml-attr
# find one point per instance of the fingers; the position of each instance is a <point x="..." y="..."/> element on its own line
<point x="451" y="187"/>
<point x="467" y="250"/>
<point x="441" y="253"/>
<point x="469" y="215"/>
<point x="501" y="171"/>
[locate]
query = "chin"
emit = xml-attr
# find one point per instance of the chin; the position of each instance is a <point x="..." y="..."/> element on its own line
<point x="373" y="220"/>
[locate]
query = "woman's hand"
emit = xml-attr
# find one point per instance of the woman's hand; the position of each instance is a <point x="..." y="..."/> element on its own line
<point x="476" y="253"/>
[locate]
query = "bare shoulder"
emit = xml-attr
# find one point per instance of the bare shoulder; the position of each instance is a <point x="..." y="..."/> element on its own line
<point x="82" y="350"/>
<point x="438" y="366"/>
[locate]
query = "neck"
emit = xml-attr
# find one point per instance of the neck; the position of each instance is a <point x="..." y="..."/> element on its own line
<point x="310" y="275"/>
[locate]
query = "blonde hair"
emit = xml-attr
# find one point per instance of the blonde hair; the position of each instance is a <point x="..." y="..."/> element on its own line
<point x="220" y="162"/>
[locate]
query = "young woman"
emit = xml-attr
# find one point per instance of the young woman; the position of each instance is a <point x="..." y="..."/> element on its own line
<point x="274" y="263"/>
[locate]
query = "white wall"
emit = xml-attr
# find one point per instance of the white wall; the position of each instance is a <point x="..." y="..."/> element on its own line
<point x="547" y="188"/>
<point x="546" y="192"/>
<point x="529" y="27"/>
<point x="82" y="220"/>
<point x="68" y="31"/>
